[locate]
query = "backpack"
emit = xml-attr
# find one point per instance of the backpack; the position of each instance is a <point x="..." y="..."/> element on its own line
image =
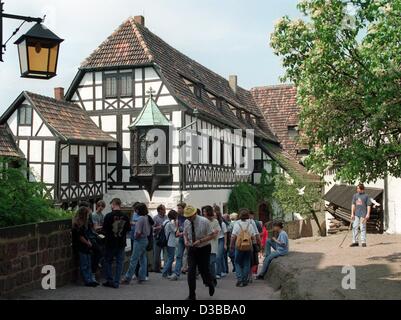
<point x="244" y="239"/>
<point x="161" y="239"/>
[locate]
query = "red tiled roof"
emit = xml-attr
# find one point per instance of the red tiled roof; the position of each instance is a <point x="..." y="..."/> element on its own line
<point x="279" y="107"/>
<point x="121" y="48"/>
<point x="67" y="119"/>
<point x="133" y="44"/>
<point x="8" y="147"/>
<point x="287" y="162"/>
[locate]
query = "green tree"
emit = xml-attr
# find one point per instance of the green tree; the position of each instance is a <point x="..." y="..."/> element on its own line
<point x="22" y="201"/>
<point x="297" y="196"/>
<point x="243" y="195"/>
<point x="246" y="195"/>
<point x="265" y="189"/>
<point x="345" y="58"/>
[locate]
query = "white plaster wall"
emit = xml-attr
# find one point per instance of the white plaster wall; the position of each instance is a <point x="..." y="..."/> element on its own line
<point x="394" y="205"/>
<point x="13" y="123"/>
<point x="48" y="173"/>
<point x="24" y="131"/>
<point x="49" y="154"/>
<point x="109" y="123"/>
<point x="196" y="198"/>
<point x="44" y="132"/>
<point x="23" y="145"/>
<point x="36" y="122"/>
<point x="35" y="151"/>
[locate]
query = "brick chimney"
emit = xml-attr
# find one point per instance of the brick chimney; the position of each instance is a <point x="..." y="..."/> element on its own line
<point x="59" y="93"/>
<point x="233" y="80"/>
<point x="140" y="20"/>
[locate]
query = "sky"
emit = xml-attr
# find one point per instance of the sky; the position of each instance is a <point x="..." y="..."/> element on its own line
<point x="227" y="36"/>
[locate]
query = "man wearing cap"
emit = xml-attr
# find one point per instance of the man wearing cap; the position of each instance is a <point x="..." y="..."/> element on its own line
<point x="115" y="227"/>
<point x="197" y="235"/>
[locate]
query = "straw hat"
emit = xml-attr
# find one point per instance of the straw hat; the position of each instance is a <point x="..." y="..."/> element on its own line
<point x="234" y="216"/>
<point x="189" y="211"/>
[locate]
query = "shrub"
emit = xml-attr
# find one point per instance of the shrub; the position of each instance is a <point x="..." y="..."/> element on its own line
<point x="22" y="201"/>
<point x="243" y="195"/>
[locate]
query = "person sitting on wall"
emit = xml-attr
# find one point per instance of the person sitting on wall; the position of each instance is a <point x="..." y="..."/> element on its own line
<point x="279" y="244"/>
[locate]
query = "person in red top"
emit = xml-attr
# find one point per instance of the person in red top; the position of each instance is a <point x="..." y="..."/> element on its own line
<point x="265" y="235"/>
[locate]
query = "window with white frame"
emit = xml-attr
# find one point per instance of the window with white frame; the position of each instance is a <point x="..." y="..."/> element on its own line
<point x="25" y="116"/>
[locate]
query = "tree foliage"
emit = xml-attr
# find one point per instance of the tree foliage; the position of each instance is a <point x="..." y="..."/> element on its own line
<point x="243" y="195"/>
<point x="265" y="189"/>
<point x="345" y="59"/>
<point x="246" y="195"/>
<point x="22" y="201"/>
<point x="297" y="196"/>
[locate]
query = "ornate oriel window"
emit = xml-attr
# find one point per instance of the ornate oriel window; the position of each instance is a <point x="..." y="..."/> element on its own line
<point x="150" y="165"/>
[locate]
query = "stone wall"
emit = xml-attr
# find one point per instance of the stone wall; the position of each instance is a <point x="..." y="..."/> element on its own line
<point x="305" y="228"/>
<point x="25" y="249"/>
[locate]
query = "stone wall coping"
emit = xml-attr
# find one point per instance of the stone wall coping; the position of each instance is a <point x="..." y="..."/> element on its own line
<point x="34" y="229"/>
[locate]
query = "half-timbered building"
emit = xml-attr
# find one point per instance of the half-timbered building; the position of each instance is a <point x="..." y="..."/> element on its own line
<point x="63" y="148"/>
<point x="133" y="84"/>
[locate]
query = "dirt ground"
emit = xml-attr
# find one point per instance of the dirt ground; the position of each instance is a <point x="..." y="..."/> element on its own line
<point x="313" y="269"/>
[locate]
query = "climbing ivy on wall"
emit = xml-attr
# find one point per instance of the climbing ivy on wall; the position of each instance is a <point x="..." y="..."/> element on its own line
<point x="246" y="195"/>
<point x="243" y="195"/>
<point x="265" y="189"/>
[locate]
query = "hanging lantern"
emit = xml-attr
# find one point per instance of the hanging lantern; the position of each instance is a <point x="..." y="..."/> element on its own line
<point x="38" y="51"/>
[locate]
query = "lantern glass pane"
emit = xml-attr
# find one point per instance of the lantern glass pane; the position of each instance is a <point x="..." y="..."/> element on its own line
<point x="38" y="57"/>
<point x="23" y="58"/>
<point x="53" y="59"/>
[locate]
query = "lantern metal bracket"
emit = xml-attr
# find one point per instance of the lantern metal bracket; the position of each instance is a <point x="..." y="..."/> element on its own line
<point x="15" y="17"/>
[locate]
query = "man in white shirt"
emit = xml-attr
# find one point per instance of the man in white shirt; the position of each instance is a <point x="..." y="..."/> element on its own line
<point x="197" y="236"/>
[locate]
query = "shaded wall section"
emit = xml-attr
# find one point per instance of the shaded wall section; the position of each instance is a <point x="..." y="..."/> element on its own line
<point x="24" y="250"/>
<point x="305" y="228"/>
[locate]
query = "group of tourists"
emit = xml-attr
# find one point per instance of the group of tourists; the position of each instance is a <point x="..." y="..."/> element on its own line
<point x="197" y="242"/>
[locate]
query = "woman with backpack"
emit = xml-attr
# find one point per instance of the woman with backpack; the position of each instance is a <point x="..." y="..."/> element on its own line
<point x="168" y="228"/>
<point x="242" y="239"/>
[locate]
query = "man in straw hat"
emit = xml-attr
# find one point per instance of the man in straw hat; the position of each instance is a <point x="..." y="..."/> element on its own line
<point x="197" y="235"/>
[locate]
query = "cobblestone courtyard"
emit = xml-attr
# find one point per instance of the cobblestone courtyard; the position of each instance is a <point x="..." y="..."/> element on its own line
<point x="157" y="289"/>
<point x="312" y="270"/>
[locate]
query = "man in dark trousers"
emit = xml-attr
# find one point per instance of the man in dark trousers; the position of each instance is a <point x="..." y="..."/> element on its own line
<point x="360" y="214"/>
<point x="197" y="235"/>
<point x="115" y="227"/>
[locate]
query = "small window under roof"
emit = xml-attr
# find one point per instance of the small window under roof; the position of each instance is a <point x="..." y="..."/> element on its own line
<point x="293" y="131"/>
